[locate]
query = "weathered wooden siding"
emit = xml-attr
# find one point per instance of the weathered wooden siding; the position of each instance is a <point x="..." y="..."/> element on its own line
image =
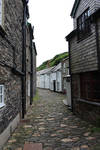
<point x="97" y="4"/>
<point x="98" y="22"/>
<point x="83" y="54"/>
<point x="93" y="5"/>
<point x="87" y="111"/>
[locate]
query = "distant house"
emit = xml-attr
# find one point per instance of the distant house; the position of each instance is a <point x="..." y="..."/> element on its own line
<point x="43" y="78"/>
<point x="65" y="72"/>
<point x="54" y="78"/>
<point x="84" y="58"/>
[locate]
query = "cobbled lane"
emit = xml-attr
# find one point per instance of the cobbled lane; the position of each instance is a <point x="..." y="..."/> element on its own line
<point x="51" y="123"/>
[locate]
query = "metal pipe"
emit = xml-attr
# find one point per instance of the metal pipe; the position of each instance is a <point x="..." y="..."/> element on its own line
<point x="31" y="50"/>
<point x="70" y="76"/>
<point x="24" y="60"/>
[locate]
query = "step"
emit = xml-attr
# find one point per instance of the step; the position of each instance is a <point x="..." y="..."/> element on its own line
<point x="32" y="146"/>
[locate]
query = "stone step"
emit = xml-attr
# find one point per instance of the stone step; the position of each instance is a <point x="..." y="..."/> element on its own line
<point x="32" y="146"/>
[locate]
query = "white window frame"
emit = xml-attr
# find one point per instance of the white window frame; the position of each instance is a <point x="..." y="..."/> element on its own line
<point x="2" y="94"/>
<point x="2" y="13"/>
<point x="64" y="67"/>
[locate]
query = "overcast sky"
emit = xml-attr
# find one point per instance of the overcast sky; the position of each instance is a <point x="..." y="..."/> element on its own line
<point x="52" y="22"/>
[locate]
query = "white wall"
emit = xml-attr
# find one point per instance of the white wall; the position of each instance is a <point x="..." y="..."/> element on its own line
<point x="47" y="78"/>
<point x="52" y="78"/>
<point x="38" y="81"/>
<point x="42" y="81"/>
<point x="58" y="81"/>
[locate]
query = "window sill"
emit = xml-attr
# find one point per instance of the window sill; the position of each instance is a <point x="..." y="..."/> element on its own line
<point x="89" y="102"/>
<point x="2" y="105"/>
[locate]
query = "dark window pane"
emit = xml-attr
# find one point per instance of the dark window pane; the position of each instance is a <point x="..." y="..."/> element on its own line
<point x="83" y="24"/>
<point x="90" y="86"/>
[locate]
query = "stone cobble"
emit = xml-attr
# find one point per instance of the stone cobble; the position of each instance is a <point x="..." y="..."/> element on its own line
<point x="51" y="123"/>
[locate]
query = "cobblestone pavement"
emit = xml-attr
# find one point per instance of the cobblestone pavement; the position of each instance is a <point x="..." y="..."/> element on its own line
<point x="49" y="122"/>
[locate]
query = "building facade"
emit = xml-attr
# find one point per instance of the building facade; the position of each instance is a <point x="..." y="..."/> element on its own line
<point x="54" y="78"/>
<point x="14" y="67"/>
<point x="84" y="58"/>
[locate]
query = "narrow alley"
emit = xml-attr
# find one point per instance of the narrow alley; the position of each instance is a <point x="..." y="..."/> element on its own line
<point x="50" y="123"/>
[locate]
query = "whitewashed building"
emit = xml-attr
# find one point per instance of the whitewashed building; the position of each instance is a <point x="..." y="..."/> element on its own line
<point x="50" y="78"/>
<point x="43" y="78"/>
<point x="56" y="78"/>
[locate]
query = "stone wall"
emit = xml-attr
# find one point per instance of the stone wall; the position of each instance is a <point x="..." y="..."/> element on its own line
<point x="28" y="66"/>
<point x="10" y="46"/>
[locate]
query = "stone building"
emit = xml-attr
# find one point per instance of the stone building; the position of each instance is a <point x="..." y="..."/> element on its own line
<point x="34" y="68"/>
<point x="13" y="65"/>
<point x="84" y="58"/>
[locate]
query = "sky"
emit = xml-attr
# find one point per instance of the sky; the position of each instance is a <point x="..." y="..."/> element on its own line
<point x="52" y="22"/>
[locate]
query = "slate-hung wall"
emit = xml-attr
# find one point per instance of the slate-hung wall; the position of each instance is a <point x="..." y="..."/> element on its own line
<point x="84" y="52"/>
<point x="83" y="5"/>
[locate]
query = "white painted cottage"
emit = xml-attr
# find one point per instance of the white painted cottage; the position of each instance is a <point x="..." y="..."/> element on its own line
<point x="43" y="78"/>
<point x="56" y="78"/>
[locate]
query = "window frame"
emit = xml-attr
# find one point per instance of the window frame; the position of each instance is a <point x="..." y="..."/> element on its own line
<point x="2" y="94"/>
<point x="83" y="25"/>
<point x="64" y="67"/>
<point x="89" y="86"/>
<point x="2" y="13"/>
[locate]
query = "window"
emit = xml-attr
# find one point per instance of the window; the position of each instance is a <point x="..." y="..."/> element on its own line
<point x="58" y="86"/>
<point x="68" y="72"/>
<point x="28" y="87"/>
<point x="1" y="95"/>
<point x="64" y="68"/>
<point x="90" y="86"/>
<point x="83" y="24"/>
<point x="64" y="83"/>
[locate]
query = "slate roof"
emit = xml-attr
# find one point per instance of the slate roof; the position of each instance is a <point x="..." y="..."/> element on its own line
<point x="45" y="71"/>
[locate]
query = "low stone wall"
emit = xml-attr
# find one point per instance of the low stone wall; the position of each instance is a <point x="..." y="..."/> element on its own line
<point x="8" y="131"/>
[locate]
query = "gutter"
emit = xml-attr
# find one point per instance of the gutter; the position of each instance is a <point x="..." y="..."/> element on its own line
<point x="31" y="51"/>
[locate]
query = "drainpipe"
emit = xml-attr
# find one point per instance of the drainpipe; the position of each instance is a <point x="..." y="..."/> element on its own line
<point x="24" y="60"/>
<point x="70" y="76"/>
<point x="31" y="50"/>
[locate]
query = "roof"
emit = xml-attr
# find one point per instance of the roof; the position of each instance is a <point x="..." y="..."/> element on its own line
<point x="65" y="59"/>
<point x="71" y="34"/>
<point x="45" y="71"/>
<point x="74" y="9"/>
<point x="58" y="67"/>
